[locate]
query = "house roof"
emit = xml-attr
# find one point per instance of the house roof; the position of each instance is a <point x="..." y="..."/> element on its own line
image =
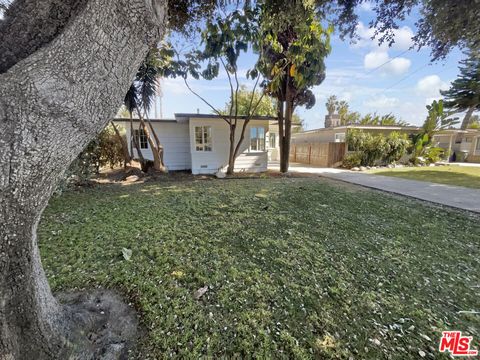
<point x="365" y="127"/>
<point x="213" y="116"/>
<point x="152" y="120"/>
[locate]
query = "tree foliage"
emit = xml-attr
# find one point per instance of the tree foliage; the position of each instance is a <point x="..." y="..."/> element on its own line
<point x="437" y="119"/>
<point x="442" y="26"/>
<point x="369" y="149"/>
<point x="242" y="102"/>
<point x="293" y="45"/>
<point x="464" y="92"/>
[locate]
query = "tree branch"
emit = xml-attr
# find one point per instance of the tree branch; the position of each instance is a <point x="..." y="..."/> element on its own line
<point x="205" y="101"/>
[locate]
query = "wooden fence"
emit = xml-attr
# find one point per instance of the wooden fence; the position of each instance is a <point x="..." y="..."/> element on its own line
<point x="319" y="154"/>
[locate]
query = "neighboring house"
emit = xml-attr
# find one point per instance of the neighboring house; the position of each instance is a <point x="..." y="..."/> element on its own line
<point x="339" y="133"/>
<point x="326" y="146"/>
<point x="311" y="146"/>
<point x="200" y="142"/>
<point x="465" y="144"/>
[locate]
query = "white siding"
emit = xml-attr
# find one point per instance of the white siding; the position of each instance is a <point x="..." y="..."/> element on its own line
<point x="209" y="162"/>
<point x="174" y="137"/>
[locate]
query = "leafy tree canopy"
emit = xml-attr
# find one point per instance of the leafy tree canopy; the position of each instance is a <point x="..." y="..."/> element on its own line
<point x="464" y="91"/>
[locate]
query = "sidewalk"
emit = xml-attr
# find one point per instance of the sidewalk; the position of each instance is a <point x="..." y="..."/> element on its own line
<point x="454" y="196"/>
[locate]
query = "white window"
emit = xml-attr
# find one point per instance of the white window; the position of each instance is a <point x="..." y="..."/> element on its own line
<point x="273" y="141"/>
<point x="340" y="137"/>
<point x="203" y="138"/>
<point x="141" y="138"/>
<point x="477" y="147"/>
<point x="257" y="139"/>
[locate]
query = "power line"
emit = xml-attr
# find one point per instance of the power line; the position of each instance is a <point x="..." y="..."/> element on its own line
<point x="386" y="62"/>
<point x="406" y="77"/>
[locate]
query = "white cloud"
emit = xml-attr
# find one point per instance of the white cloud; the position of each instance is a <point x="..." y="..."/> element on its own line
<point x="403" y="38"/>
<point x="366" y="6"/>
<point x="396" y="66"/>
<point x="382" y="102"/>
<point x="430" y="86"/>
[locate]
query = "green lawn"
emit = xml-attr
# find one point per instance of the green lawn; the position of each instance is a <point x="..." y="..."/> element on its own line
<point x="297" y="268"/>
<point x="467" y="176"/>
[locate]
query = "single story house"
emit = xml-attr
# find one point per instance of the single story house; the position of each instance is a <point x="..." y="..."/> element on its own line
<point x="465" y="144"/>
<point x="200" y="142"/>
<point x="339" y="133"/>
<point x="326" y="146"/>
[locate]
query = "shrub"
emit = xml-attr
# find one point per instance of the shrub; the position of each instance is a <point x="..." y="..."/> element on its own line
<point x="376" y="148"/>
<point x="104" y="150"/>
<point x="352" y="160"/>
<point x="396" y="146"/>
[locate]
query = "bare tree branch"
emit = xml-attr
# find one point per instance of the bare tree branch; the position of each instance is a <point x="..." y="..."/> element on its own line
<point x="205" y="101"/>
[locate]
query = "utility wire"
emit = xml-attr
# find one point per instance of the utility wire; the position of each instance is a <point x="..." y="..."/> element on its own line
<point x="386" y="62"/>
<point x="406" y="77"/>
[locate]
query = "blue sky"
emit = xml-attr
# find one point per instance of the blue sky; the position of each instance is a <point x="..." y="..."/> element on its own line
<point x="403" y="86"/>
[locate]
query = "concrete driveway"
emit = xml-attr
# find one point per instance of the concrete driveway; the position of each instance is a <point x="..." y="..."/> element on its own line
<point x="453" y="196"/>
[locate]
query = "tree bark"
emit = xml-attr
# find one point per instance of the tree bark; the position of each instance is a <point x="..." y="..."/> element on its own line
<point x="134" y="143"/>
<point x="231" y="152"/>
<point x="467" y="118"/>
<point x="51" y="104"/>
<point x="281" y="135"/>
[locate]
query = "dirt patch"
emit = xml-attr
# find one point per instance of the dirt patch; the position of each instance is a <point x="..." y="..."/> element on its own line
<point x="102" y="327"/>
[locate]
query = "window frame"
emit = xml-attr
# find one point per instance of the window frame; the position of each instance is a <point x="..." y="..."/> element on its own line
<point x="273" y="136"/>
<point x="257" y="139"/>
<point x="203" y="146"/>
<point x="141" y="138"/>
<point x="477" y="146"/>
<point x="344" y="135"/>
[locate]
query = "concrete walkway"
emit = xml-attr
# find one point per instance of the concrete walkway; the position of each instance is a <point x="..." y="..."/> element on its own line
<point x="454" y="196"/>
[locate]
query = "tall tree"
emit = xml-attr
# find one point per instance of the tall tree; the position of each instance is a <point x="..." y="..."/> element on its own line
<point x="224" y="39"/>
<point x="343" y="109"/>
<point x="294" y="45"/>
<point x="331" y="104"/>
<point x="52" y="103"/>
<point x="464" y="92"/>
<point x="146" y="84"/>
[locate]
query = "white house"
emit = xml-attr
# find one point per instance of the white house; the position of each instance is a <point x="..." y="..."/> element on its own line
<point x="200" y="142"/>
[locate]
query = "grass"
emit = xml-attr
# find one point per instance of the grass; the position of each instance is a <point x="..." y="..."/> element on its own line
<point x="467" y="176"/>
<point x="296" y="268"/>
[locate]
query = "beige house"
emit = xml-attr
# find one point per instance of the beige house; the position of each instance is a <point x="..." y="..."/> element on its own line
<point x="465" y="144"/>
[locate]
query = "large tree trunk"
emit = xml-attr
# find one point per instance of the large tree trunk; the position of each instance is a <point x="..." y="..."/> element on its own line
<point x="51" y="104"/>
<point x="467" y="118"/>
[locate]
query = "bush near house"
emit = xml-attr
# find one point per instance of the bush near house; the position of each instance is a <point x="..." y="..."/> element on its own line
<point x="369" y="150"/>
<point x="104" y="150"/>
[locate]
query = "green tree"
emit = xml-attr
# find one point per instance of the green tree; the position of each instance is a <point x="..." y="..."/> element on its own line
<point x="475" y="122"/>
<point x="437" y="119"/>
<point x="343" y="110"/>
<point x="331" y="104"/>
<point x="224" y="39"/>
<point x="243" y="100"/>
<point x="464" y="92"/>
<point x="382" y="120"/>
<point x="293" y="45"/>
